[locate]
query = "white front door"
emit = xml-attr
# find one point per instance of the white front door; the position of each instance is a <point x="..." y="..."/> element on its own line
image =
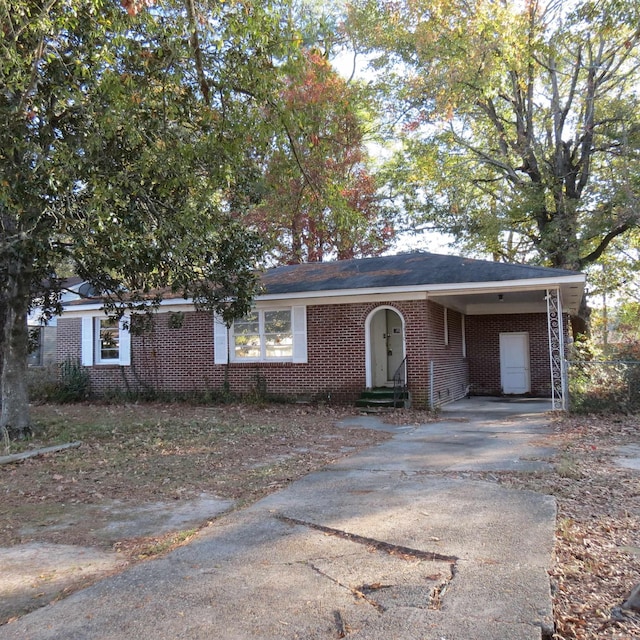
<point x="386" y="346"/>
<point x="514" y="363"/>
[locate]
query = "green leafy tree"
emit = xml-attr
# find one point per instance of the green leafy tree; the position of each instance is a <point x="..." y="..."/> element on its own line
<point x="121" y="136"/>
<point x="614" y="288"/>
<point x="520" y="121"/>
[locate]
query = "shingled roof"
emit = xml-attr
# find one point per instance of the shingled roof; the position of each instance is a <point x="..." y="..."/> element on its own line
<point x="402" y="270"/>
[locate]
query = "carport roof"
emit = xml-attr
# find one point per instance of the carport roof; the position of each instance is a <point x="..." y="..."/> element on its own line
<point x="402" y="270"/>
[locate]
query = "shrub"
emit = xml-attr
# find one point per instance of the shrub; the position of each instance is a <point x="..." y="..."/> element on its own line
<point x="74" y="383"/>
<point x="597" y="385"/>
<point x="43" y="382"/>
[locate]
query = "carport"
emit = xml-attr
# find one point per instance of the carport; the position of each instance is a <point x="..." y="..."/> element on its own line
<point x="480" y="303"/>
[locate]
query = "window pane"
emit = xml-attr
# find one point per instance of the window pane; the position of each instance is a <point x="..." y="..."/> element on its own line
<point x="36" y="335"/>
<point x="109" y="339"/>
<point x="246" y="335"/>
<point x="278" y="336"/>
<point x="247" y="346"/>
<point x="248" y="325"/>
<point x="277" y="321"/>
<point x="279" y="348"/>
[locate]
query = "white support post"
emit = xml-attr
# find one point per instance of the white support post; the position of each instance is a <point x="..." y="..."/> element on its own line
<point x="556" y="351"/>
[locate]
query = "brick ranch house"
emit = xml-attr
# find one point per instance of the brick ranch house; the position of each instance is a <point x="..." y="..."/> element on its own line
<point x="440" y="326"/>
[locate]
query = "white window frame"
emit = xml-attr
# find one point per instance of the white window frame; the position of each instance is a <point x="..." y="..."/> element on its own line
<point x="263" y="357"/>
<point x="224" y="341"/>
<point x="97" y="343"/>
<point x="90" y="342"/>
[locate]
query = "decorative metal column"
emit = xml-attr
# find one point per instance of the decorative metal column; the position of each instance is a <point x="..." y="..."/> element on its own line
<point x="556" y="350"/>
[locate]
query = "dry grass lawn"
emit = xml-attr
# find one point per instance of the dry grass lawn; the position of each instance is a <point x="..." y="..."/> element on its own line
<point x="136" y="454"/>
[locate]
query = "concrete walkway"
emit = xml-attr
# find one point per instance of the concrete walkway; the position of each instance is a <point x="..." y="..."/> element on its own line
<point x="396" y="542"/>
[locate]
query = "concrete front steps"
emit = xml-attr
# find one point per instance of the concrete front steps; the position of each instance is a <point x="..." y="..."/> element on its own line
<point x="383" y="398"/>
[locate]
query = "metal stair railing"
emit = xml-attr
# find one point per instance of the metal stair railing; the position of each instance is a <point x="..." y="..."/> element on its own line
<point x="400" y="382"/>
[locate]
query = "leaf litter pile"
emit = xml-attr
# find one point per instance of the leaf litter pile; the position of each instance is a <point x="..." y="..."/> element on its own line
<point x="137" y="454"/>
<point x="597" y="559"/>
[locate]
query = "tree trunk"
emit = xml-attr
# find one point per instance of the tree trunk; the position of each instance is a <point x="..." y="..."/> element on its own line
<point x="15" y="395"/>
<point x="3" y="311"/>
<point x="580" y="322"/>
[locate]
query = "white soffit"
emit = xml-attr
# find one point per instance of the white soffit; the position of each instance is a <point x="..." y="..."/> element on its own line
<point x="459" y="296"/>
<point x="471" y="298"/>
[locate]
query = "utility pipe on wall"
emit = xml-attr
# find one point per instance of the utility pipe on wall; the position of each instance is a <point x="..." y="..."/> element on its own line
<point x="431" y="392"/>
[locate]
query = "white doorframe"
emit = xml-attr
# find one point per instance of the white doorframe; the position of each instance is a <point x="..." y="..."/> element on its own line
<point x="368" y="340"/>
<point x="515" y="365"/>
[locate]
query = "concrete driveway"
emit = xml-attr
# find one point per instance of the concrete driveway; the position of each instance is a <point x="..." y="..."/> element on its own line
<point x="400" y="541"/>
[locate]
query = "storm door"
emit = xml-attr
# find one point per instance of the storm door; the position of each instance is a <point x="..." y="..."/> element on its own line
<point x="386" y="346"/>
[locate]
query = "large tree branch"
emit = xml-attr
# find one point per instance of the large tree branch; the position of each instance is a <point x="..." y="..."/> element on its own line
<point x="604" y="243"/>
<point x="561" y="112"/>
<point x="588" y="122"/>
<point x="489" y="108"/>
<point x="486" y="158"/>
<point x="197" y="51"/>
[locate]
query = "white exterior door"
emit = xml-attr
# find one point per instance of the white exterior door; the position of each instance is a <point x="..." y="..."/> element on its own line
<point x="395" y="343"/>
<point x="386" y="346"/>
<point x="514" y="363"/>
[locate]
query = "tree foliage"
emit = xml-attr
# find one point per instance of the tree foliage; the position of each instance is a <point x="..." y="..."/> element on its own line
<point x="320" y="200"/>
<point x="520" y="121"/>
<point x="121" y="136"/>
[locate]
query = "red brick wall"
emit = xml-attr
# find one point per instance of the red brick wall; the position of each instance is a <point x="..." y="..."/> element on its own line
<point x="181" y="359"/>
<point x="450" y="370"/>
<point x="168" y="359"/>
<point x="68" y="344"/>
<point x="483" y="350"/>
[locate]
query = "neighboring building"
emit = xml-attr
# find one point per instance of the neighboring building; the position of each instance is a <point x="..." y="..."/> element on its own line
<point x="43" y="339"/>
<point x="43" y="334"/>
<point x="444" y="325"/>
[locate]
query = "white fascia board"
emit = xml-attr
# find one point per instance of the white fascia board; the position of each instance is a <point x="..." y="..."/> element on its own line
<point x="174" y="304"/>
<point x="326" y="298"/>
<point x="413" y="292"/>
<point x="177" y="302"/>
<point x="377" y="294"/>
<point x="532" y="284"/>
<point x="80" y="310"/>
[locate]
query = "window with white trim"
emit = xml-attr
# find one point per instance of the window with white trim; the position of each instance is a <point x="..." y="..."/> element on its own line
<point x="107" y="341"/>
<point x="264" y="334"/>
